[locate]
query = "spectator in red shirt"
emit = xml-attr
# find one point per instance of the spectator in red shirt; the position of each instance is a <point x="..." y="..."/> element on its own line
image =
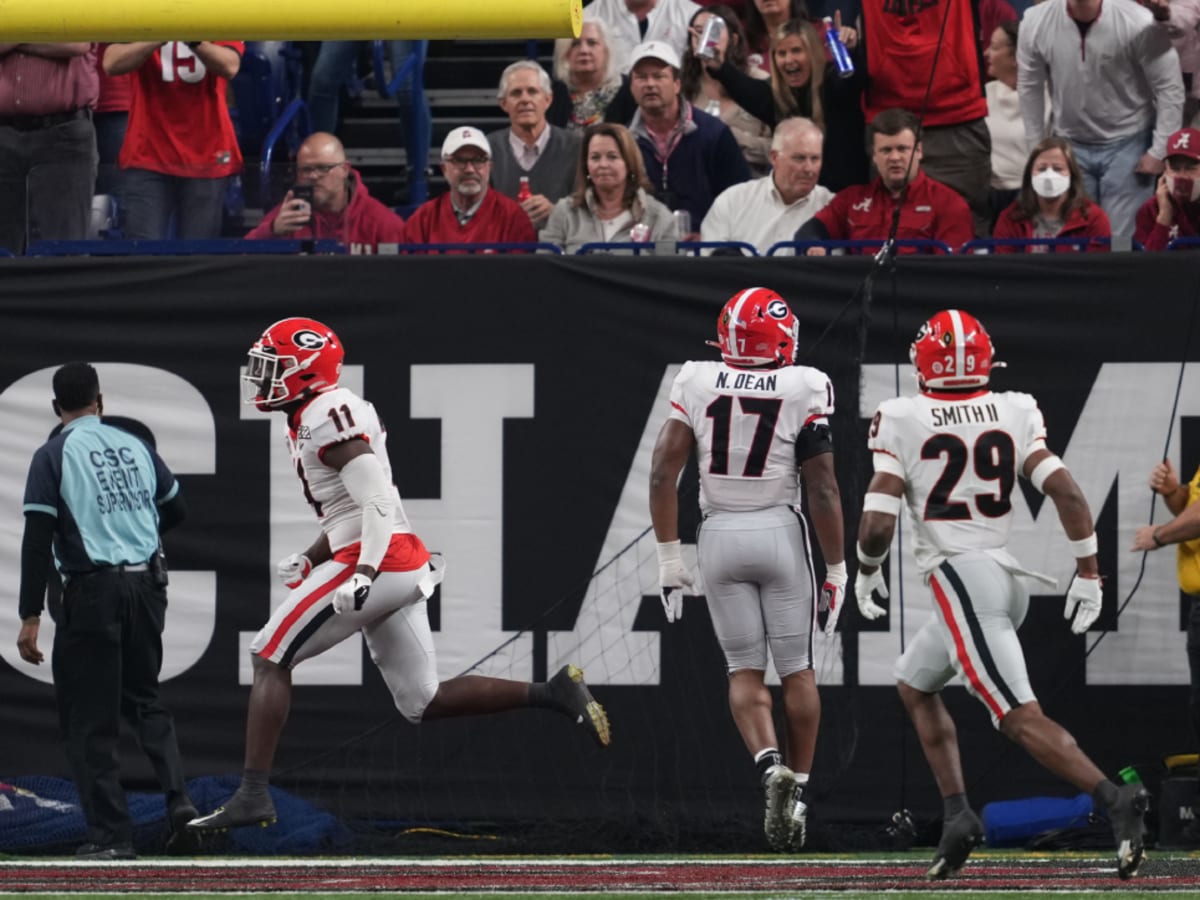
<point x="341" y="208"/>
<point x="917" y="48"/>
<point x="1053" y="202"/>
<point x="1174" y="210"/>
<point x="111" y="117"/>
<point x="928" y="209"/>
<point x="47" y="143"/>
<point x="469" y="212"/>
<point x="180" y="147"/>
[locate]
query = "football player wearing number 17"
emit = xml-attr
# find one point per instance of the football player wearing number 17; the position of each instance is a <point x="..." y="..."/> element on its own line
<point x="953" y="453"/>
<point x="756" y="422"/>
<point x="366" y="572"/>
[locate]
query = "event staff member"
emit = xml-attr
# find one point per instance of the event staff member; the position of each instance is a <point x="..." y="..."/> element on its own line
<point x="102" y="496"/>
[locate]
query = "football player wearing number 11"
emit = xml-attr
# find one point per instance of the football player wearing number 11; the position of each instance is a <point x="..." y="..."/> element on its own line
<point x="756" y="422"/>
<point x="366" y="572"/>
<point x="953" y="453"/>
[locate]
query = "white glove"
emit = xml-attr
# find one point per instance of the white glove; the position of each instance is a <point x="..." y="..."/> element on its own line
<point x="351" y="594"/>
<point x="864" y="585"/>
<point x="833" y="595"/>
<point x="1086" y="593"/>
<point x="292" y="570"/>
<point x="673" y="577"/>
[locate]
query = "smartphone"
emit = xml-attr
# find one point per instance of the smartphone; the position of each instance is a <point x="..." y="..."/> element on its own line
<point x="303" y="192"/>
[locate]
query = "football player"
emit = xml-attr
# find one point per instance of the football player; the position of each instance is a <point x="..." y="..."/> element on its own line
<point x="757" y="423"/>
<point x="952" y="454"/>
<point x="366" y="572"/>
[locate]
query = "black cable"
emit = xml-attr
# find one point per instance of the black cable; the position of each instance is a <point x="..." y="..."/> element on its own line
<point x="865" y="291"/>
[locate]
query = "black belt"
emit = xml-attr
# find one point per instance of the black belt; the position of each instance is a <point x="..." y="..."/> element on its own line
<point x="37" y="123"/>
<point x="113" y="570"/>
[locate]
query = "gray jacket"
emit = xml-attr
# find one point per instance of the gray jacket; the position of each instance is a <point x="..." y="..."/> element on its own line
<point x="573" y="226"/>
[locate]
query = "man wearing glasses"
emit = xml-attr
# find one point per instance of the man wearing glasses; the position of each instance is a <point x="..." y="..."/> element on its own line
<point x="329" y="200"/>
<point x="469" y="212"/>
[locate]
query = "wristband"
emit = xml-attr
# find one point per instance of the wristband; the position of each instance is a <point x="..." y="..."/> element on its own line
<point x="1087" y="546"/>
<point x="867" y="560"/>
<point x="1157" y="540"/>
<point x="669" y="552"/>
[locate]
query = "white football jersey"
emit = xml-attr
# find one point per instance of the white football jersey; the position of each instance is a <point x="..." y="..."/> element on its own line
<point x="959" y="460"/>
<point x="746" y="422"/>
<point x="331" y="418"/>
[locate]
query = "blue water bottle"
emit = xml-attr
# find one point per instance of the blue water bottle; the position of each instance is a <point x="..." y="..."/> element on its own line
<point x="841" y="56"/>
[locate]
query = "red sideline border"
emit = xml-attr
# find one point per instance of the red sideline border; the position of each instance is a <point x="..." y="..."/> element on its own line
<point x="529" y="875"/>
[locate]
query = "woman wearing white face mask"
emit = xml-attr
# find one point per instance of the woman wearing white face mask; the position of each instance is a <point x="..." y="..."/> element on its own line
<point x="1053" y="203"/>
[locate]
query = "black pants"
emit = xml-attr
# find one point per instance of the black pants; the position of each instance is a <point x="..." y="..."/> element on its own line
<point x="107" y="656"/>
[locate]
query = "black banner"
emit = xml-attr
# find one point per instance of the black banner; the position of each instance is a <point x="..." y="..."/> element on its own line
<point x="522" y="396"/>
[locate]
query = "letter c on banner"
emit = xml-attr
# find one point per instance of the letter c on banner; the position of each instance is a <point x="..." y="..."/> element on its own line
<point x="182" y="423"/>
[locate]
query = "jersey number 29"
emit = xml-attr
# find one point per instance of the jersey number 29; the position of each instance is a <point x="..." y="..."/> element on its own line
<point x="994" y="457"/>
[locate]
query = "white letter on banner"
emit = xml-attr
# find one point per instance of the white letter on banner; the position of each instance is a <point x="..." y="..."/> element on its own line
<point x="1113" y="446"/>
<point x="466" y="524"/>
<point x="293" y="528"/>
<point x="182" y="423"/>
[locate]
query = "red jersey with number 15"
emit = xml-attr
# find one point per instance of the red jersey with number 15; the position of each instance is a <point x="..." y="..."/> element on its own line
<point x="746" y="422"/>
<point x="179" y="122"/>
<point x="959" y="456"/>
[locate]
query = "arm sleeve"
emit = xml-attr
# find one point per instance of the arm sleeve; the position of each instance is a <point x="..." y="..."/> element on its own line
<point x="813" y="230"/>
<point x="716" y="225"/>
<point x="36" y="561"/>
<point x="955" y="225"/>
<point x="369" y="489"/>
<point x="262" y="231"/>
<point x="521" y="228"/>
<point x="679" y="403"/>
<point x="171" y="513"/>
<point x="1031" y="87"/>
<point x="1032" y="437"/>
<point x="883" y="441"/>
<point x="1160" y="63"/>
<point x="622" y="106"/>
<point x="751" y="94"/>
<point x="555" y="231"/>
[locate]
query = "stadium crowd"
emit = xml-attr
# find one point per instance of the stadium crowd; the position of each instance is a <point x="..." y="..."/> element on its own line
<point x="1063" y="119"/>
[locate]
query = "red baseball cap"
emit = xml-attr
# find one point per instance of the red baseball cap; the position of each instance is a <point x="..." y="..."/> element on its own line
<point x="1184" y="142"/>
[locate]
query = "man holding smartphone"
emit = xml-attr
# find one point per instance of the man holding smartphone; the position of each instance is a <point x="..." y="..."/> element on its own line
<point x="330" y="201"/>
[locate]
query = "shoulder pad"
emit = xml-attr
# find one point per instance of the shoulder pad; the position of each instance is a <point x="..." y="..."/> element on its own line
<point x="688" y="372"/>
<point x="897" y="407"/>
<point x="1021" y="400"/>
<point x="814" y="378"/>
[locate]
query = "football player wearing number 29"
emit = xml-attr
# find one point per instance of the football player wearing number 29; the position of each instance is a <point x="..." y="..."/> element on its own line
<point x="953" y="453"/>
<point x="757" y="423"/>
<point x="366" y="572"/>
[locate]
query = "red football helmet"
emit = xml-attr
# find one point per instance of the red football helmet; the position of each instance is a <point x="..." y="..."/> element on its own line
<point x="952" y="350"/>
<point x="294" y="358"/>
<point x="757" y="328"/>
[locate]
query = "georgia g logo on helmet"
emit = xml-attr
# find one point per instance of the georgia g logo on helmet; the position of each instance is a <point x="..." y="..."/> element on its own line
<point x="757" y="328"/>
<point x="777" y="309"/>
<point x="307" y="339"/>
<point x="295" y="358"/>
